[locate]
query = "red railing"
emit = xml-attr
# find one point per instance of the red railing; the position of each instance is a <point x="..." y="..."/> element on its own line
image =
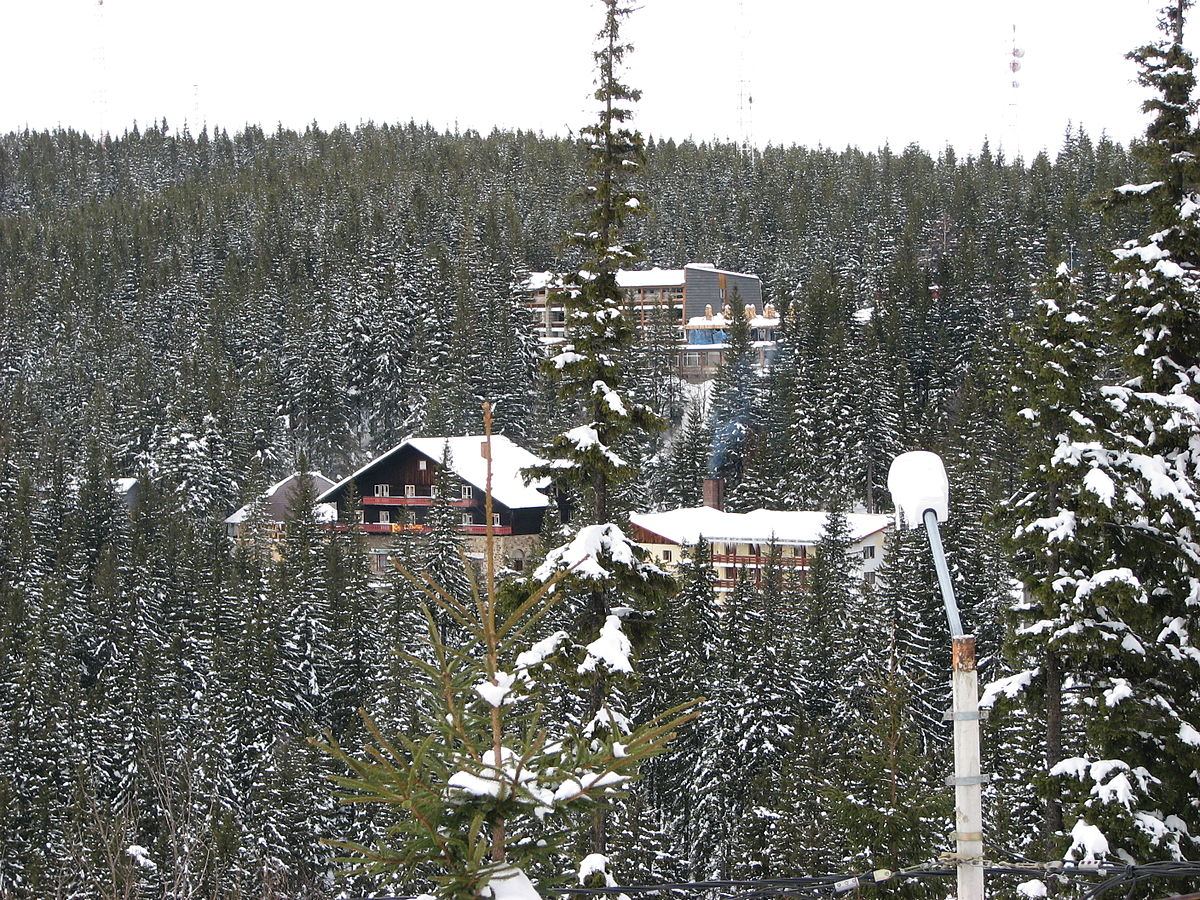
<point x="398" y="528"/>
<point x="729" y="559"/>
<point x="412" y="501"/>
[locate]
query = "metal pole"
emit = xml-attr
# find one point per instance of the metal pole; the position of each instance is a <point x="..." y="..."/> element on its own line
<point x="964" y="684"/>
<point x="943" y="571"/>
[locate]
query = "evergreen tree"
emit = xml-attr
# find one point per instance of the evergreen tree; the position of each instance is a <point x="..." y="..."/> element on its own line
<point x="1128" y="516"/>
<point x="733" y="398"/>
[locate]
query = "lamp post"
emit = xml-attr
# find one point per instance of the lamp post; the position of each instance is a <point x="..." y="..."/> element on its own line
<point x="921" y="493"/>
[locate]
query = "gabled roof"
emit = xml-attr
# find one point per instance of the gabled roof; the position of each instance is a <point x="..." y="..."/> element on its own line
<point x="279" y="495"/>
<point x="762" y="526"/>
<point x="468" y="464"/>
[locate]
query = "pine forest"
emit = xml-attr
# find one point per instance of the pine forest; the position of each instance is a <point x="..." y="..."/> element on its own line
<point x="201" y="314"/>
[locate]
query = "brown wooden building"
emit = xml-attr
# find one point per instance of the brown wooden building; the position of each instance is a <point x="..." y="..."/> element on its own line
<point x="397" y="488"/>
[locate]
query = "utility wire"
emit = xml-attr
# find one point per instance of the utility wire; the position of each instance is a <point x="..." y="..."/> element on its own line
<point x="1115" y="875"/>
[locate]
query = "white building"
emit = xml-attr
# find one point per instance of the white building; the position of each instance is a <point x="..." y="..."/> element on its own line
<point x="743" y="540"/>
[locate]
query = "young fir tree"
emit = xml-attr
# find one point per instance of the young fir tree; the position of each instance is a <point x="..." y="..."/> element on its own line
<point x="589" y="457"/>
<point x="485" y="794"/>
<point x="590" y="460"/>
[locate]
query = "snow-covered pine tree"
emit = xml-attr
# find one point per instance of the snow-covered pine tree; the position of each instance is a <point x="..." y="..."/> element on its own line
<point x="1052" y="526"/>
<point x="591" y="459"/>
<point x="679" y="483"/>
<point x="826" y="639"/>
<point x="590" y="384"/>
<point x="734" y="393"/>
<point x="1132" y="597"/>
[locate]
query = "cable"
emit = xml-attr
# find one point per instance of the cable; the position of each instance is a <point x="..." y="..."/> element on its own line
<point x="1115" y="875"/>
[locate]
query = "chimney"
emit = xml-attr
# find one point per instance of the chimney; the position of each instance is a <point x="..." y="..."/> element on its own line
<point x="714" y="493"/>
<point x="750" y="311"/>
<point x="708" y="311"/>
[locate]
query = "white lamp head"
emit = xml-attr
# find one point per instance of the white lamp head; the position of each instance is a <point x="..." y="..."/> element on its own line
<point x="917" y="482"/>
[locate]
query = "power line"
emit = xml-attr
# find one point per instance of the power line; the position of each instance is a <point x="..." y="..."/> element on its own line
<point x="1119" y="875"/>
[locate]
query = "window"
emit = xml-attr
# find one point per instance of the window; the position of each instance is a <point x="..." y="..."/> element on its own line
<point x="467" y="519"/>
<point x="385" y="517"/>
<point x="731" y="549"/>
<point x="691" y="360"/>
<point x="870" y="579"/>
<point x="666" y="556"/>
<point x="730" y="574"/>
<point x="467" y="492"/>
<point x="383" y="490"/>
<point x="869" y="552"/>
<point x="422" y="464"/>
<point x="495" y="520"/>
<point x="362" y="517"/>
<point x="410" y="490"/>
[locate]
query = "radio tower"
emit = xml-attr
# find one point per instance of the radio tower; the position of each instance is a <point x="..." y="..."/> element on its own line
<point x="1015" y="55"/>
<point x="745" y="99"/>
<point x="100" y="74"/>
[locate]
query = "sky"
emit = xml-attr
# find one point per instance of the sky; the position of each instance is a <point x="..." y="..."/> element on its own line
<point x="812" y="72"/>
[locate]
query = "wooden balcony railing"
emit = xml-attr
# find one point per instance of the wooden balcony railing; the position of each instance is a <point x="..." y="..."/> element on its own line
<point x="412" y="501"/>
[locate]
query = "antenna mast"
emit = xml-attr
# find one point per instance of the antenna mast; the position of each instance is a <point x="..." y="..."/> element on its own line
<point x="1015" y="55"/>
<point x="745" y="98"/>
<point x="100" y="73"/>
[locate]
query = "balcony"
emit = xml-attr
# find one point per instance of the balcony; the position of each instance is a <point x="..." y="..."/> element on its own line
<point x="412" y="501"/>
<point x="399" y="528"/>
<point x="758" y="562"/>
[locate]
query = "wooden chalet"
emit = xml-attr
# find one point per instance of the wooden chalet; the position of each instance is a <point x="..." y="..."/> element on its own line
<point x="397" y="489"/>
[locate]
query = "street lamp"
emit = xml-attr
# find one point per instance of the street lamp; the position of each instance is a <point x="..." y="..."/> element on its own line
<point x="919" y="488"/>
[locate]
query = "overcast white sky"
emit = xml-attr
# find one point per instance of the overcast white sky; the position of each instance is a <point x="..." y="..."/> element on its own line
<point x="861" y="72"/>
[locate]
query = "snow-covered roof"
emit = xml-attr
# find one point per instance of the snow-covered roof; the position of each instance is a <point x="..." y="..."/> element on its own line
<point x="467" y="463"/>
<point x="644" y="278"/>
<point x="279" y="495"/>
<point x="638" y="278"/>
<point x="641" y="278"/>
<point x="686" y="526"/>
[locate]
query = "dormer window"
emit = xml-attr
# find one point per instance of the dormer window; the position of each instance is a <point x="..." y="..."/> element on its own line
<point x="467" y="492"/>
<point x="422" y="464"/>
